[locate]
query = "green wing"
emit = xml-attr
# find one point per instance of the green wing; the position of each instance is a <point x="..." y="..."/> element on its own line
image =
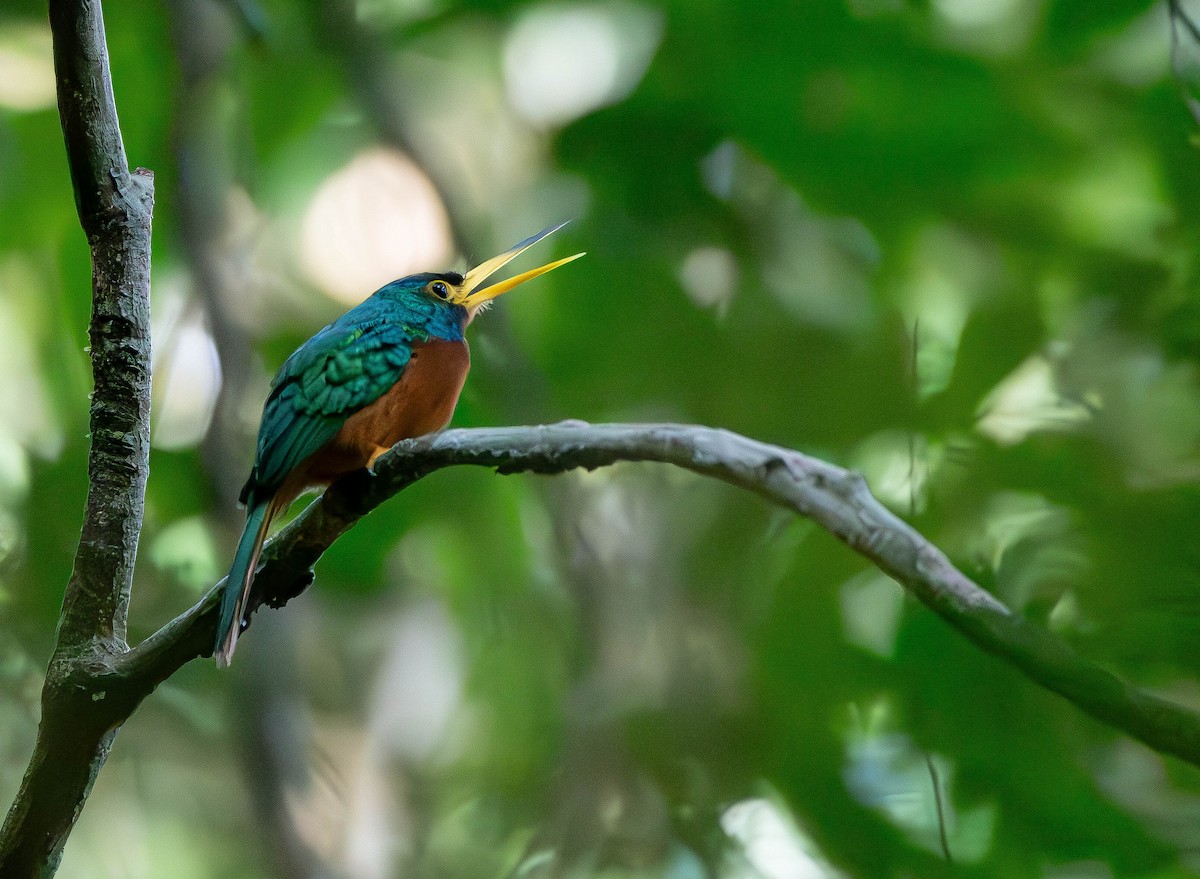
<point x="338" y="371"/>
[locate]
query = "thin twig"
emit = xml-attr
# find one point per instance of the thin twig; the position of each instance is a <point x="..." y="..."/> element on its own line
<point x="936" y="783"/>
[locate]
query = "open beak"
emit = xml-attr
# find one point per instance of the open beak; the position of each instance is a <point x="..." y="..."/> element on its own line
<point x="479" y="295"/>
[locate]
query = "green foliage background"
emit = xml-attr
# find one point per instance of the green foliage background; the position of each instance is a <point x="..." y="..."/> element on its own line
<point x="950" y="244"/>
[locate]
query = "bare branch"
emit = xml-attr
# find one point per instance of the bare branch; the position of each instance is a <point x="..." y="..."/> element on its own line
<point x="835" y="498"/>
<point x="94" y="683"/>
<point x="78" y="724"/>
<point x="114" y="209"/>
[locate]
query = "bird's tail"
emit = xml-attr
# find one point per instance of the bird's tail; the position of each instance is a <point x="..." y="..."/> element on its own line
<point x="241" y="575"/>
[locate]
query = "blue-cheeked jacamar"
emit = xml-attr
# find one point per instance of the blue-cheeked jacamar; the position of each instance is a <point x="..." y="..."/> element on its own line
<point x="389" y="369"/>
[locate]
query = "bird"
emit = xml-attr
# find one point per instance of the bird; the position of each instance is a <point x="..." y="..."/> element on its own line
<point x="388" y="369"/>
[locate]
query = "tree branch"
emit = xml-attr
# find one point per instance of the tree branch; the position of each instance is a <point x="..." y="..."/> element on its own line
<point x="835" y="498"/>
<point x="94" y="683"/>
<point x="77" y="725"/>
<point x="114" y="209"/>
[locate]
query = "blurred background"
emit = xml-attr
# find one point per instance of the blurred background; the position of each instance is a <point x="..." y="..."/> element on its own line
<point x="950" y="243"/>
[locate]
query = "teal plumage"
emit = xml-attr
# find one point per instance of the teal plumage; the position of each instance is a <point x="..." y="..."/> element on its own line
<point x="345" y="367"/>
<point x="390" y="368"/>
<point x="245" y="557"/>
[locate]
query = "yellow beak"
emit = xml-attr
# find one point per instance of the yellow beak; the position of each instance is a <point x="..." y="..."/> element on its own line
<point x="477" y="296"/>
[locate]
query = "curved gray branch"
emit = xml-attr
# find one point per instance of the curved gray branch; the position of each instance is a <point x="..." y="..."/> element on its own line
<point x="835" y="498"/>
<point x="94" y="683"/>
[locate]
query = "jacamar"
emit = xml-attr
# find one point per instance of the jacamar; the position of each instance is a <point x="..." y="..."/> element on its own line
<point x="389" y="369"/>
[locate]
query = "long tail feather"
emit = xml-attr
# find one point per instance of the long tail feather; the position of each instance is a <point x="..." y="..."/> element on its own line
<point x="241" y="575"/>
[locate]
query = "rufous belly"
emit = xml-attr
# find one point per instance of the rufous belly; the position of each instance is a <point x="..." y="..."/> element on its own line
<point x="421" y="402"/>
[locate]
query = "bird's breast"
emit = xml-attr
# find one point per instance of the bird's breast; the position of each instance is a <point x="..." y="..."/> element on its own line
<point x="421" y="401"/>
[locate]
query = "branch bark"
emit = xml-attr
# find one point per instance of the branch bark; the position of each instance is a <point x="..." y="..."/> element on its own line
<point x="115" y="206"/>
<point x="94" y="682"/>
<point x="836" y="499"/>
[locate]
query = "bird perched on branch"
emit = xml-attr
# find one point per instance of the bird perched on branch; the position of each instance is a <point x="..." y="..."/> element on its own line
<point x="389" y="369"/>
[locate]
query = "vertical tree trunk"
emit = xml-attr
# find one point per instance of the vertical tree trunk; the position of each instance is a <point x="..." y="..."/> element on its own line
<point x="80" y="711"/>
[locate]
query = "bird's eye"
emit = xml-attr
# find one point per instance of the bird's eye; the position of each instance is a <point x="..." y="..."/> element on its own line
<point x="439" y="289"/>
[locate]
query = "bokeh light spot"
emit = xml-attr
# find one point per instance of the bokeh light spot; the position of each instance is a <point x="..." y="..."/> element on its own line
<point x="1025" y="402"/>
<point x="709" y="276"/>
<point x="563" y="61"/>
<point x="775" y="847"/>
<point x="377" y="219"/>
<point x="26" y="68"/>
<point x="186" y="550"/>
<point x="871" y="605"/>
<point x="187" y="374"/>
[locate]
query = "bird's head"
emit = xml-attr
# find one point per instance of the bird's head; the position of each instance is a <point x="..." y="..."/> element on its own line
<point x="469" y="292"/>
